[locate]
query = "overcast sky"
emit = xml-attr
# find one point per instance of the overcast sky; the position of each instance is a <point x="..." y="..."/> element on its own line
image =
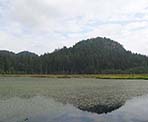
<point x="44" y="25"/>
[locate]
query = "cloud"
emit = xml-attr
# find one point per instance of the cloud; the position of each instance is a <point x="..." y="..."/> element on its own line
<point x="42" y="26"/>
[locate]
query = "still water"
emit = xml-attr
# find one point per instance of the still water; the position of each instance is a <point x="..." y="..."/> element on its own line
<point x="41" y="109"/>
<point x="72" y="100"/>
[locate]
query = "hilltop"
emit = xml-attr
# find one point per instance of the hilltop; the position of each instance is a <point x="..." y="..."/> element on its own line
<point x="91" y="56"/>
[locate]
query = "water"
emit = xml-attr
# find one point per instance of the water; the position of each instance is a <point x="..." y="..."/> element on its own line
<point x="41" y="109"/>
<point x="72" y="100"/>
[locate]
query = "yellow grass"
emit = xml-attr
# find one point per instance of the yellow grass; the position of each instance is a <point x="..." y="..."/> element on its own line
<point x="97" y="76"/>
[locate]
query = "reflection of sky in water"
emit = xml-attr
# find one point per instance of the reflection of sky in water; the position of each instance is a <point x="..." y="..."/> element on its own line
<point x="41" y="109"/>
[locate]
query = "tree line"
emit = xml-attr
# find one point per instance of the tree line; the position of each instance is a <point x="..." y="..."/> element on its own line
<point x="91" y="56"/>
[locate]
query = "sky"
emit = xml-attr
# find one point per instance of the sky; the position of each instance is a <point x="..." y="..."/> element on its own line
<point x="42" y="26"/>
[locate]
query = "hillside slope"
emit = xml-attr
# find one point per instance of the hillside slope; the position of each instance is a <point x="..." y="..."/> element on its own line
<point x="96" y="55"/>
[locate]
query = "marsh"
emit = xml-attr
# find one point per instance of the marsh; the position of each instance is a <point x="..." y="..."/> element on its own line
<point x="72" y="99"/>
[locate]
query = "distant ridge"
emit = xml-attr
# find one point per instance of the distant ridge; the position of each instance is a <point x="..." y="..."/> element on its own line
<point x="96" y="55"/>
<point x="26" y="53"/>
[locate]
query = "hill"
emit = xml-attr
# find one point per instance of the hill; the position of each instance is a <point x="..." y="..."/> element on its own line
<point x="96" y="55"/>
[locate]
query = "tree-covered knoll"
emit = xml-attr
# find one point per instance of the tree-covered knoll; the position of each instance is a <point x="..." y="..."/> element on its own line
<point x="96" y="55"/>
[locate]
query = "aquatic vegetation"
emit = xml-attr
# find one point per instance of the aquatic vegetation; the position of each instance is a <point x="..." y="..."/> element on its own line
<point x="83" y="93"/>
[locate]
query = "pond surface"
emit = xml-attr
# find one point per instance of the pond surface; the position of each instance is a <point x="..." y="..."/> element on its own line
<point x="25" y="99"/>
<point x="41" y="109"/>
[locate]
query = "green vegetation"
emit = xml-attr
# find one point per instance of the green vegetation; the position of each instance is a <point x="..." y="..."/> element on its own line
<point x="83" y="93"/>
<point x="94" y="76"/>
<point x="92" y="56"/>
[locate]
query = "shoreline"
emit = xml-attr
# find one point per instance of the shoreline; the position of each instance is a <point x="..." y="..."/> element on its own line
<point x="94" y="76"/>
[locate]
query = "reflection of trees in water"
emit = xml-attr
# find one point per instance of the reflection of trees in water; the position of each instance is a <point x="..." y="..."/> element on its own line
<point x="101" y="108"/>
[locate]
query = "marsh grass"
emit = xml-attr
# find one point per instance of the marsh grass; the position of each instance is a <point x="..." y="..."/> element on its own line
<point x="96" y="76"/>
<point x="86" y="93"/>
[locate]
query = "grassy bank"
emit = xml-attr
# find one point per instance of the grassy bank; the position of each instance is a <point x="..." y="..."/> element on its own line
<point x="97" y="76"/>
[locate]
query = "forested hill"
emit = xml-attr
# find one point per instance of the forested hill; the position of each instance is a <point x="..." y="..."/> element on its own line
<point x="96" y="55"/>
